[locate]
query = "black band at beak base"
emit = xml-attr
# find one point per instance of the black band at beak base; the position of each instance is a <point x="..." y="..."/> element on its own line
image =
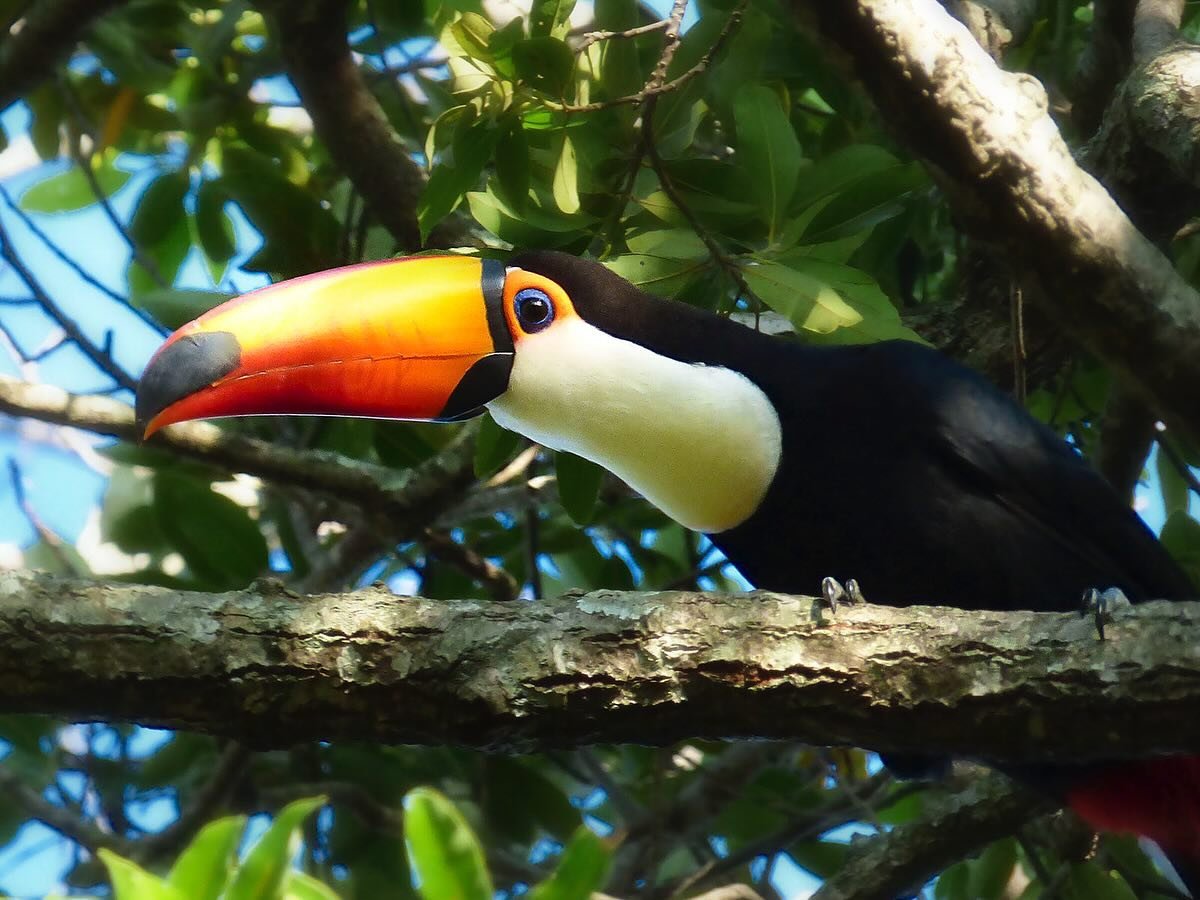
<point x="486" y="380"/>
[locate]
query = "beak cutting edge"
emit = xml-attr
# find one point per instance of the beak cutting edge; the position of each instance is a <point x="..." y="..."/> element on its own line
<point x="422" y="339"/>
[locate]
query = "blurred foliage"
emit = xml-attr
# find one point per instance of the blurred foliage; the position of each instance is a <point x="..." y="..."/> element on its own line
<point x="790" y="183"/>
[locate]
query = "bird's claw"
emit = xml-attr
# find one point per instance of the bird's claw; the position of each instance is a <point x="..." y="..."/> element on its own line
<point x="834" y="592"/>
<point x="1103" y="605"/>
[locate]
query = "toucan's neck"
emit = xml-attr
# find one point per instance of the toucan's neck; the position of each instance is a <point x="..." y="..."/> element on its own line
<point x="700" y="442"/>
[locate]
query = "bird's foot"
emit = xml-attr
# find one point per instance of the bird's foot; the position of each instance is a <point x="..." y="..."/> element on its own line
<point x="834" y="592"/>
<point x="1103" y="606"/>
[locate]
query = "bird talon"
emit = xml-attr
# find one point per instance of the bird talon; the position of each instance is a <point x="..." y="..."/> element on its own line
<point x="1102" y="605"/>
<point x="832" y="593"/>
<point x="854" y="591"/>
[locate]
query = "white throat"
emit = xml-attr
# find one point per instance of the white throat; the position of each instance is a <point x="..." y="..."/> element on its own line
<point x="701" y="443"/>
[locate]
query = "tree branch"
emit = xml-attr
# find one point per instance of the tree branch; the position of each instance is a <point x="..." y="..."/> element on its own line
<point x="905" y="858"/>
<point x="270" y="670"/>
<point x="404" y="499"/>
<point x="986" y="134"/>
<point x="346" y="115"/>
<point x="46" y="34"/>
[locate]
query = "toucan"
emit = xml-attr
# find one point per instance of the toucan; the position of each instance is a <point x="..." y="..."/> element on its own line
<point x="887" y="464"/>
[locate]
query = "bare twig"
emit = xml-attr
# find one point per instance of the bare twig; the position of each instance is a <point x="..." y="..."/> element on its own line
<point x="654" y="88"/>
<point x="496" y="581"/>
<point x="102" y="359"/>
<point x="84" y="161"/>
<point x="61" y="819"/>
<point x="231" y="766"/>
<point x="55" y="544"/>
<point x="593" y="37"/>
<point x="1155" y="27"/>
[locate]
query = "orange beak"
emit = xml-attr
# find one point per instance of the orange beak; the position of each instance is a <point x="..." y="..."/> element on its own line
<point x="422" y="339"/>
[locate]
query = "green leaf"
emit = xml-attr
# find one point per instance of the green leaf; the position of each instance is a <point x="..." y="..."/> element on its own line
<point x="546" y="63"/>
<point x="822" y="858"/>
<point x="993" y="869"/>
<point x="578" y="485"/>
<point x="512" y="165"/>
<point x="442" y="850"/>
<point x="263" y="873"/>
<point x="768" y="151"/>
<point x="69" y="191"/>
<point x="520" y="800"/>
<point x="1090" y="882"/>
<point x="566" y="178"/>
<point x="1181" y="536"/>
<point x="203" y="869"/>
<point x="174" y="307"/>
<point x="473" y="33"/>
<point x="550" y="17"/>
<point x="581" y="870"/>
<point x="159" y="207"/>
<point x="214" y="228"/>
<point x="217" y="538"/>
<point x="494" y="446"/>
<point x="168" y="253"/>
<point x="131" y="882"/>
<point x="299" y="886"/>
<point x="662" y="275"/>
<point x="865" y="203"/>
<point x="453" y="176"/>
<point x="1175" y="490"/>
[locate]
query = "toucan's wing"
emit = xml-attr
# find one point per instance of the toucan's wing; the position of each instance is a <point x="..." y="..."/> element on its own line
<point x="1049" y="491"/>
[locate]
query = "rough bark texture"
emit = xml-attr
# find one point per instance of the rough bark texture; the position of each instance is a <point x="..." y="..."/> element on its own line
<point x="271" y="669"/>
<point x="989" y="139"/>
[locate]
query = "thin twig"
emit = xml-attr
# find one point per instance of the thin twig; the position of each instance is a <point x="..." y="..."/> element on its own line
<point x="84" y="161"/>
<point x="496" y="581"/>
<point x="60" y="819"/>
<point x="79" y="270"/>
<point x="55" y="544"/>
<point x="231" y="766"/>
<point x="103" y="360"/>
<point x="658" y="89"/>
<point x="593" y="37"/>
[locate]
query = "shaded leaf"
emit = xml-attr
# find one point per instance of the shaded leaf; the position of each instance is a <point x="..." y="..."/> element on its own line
<point x="546" y="63"/>
<point x="494" y="446"/>
<point x="768" y="150"/>
<point x="217" y="538"/>
<point x="159" y="207"/>
<point x="174" y="307"/>
<point x="214" y="228"/>
<point x="578" y="485"/>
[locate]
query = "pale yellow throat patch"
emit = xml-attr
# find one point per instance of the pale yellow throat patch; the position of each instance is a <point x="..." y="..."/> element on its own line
<point x="701" y="443"/>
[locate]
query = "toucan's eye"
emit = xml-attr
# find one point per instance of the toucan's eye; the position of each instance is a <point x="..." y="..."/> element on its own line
<point x="534" y="309"/>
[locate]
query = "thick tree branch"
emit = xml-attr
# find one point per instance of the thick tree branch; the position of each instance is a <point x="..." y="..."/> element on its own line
<point x="272" y="669"/>
<point x="41" y="39"/>
<point x="989" y="139"/>
<point x="346" y="115"/>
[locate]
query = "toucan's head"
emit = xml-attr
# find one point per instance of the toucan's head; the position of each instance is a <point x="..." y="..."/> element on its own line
<point x="558" y="348"/>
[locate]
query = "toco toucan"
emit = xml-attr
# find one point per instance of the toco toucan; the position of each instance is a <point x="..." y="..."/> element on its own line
<point x="887" y="463"/>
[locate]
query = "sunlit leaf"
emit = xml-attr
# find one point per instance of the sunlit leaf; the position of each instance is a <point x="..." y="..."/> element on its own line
<point x="203" y="869"/>
<point x="131" y="882"/>
<point x="262" y="874"/>
<point x="581" y="869"/>
<point x="70" y="190"/>
<point x="442" y="850"/>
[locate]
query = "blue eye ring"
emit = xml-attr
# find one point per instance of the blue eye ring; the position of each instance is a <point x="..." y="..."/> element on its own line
<point x="534" y="309"/>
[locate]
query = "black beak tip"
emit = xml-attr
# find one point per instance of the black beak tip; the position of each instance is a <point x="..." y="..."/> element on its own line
<point x="191" y="363"/>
